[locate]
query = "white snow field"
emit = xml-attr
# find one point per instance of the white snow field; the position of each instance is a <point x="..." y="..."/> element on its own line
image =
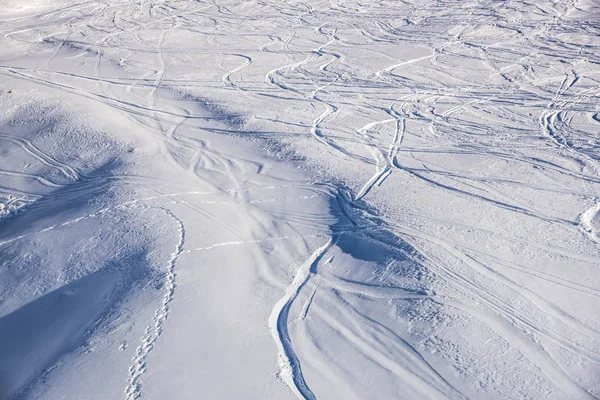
<point x="277" y="199"/>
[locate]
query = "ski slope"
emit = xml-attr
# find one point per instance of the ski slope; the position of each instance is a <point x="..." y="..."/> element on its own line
<point x="317" y="200"/>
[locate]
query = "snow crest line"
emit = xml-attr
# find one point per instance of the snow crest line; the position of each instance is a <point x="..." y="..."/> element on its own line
<point x="289" y="364"/>
<point x="134" y="387"/>
<point x="586" y="221"/>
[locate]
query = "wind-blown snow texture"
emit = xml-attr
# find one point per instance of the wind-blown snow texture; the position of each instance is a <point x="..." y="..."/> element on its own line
<point x="282" y="199"/>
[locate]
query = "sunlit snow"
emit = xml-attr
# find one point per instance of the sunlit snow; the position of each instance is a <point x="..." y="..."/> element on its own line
<point x="386" y="199"/>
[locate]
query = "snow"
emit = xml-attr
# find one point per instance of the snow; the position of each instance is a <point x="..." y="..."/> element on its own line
<point x="318" y="200"/>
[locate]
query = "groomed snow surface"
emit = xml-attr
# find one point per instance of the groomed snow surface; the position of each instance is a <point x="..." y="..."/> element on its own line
<point x="260" y="199"/>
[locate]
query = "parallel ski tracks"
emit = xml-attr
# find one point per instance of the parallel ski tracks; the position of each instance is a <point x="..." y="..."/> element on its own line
<point x="318" y="83"/>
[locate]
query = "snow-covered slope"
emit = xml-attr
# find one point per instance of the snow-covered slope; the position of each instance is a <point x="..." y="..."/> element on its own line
<point x="320" y="200"/>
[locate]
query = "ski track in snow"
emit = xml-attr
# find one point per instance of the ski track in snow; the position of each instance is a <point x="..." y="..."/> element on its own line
<point x="289" y="363"/>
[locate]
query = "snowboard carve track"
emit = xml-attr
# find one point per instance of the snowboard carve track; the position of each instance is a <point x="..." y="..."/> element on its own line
<point x="289" y="364"/>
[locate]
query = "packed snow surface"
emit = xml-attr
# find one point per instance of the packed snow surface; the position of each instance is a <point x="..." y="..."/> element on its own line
<point x="227" y="199"/>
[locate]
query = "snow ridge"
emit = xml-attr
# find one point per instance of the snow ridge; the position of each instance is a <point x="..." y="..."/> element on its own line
<point x="587" y="223"/>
